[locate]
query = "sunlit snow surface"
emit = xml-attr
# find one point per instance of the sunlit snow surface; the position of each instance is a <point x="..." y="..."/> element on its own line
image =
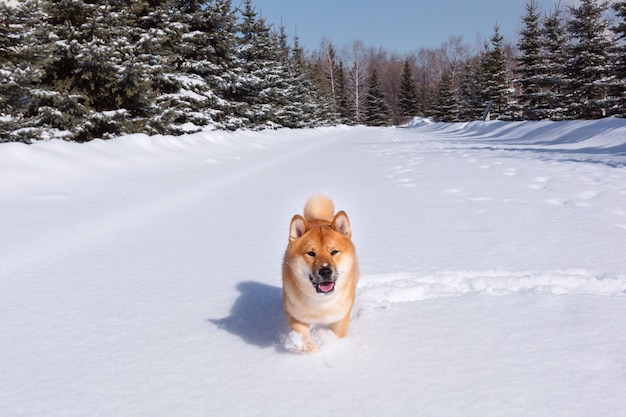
<point x="141" y="276"/>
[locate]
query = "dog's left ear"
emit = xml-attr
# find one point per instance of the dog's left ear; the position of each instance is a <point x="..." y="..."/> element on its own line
<point x="298" y="228"/>
<point x="341" y="224"/>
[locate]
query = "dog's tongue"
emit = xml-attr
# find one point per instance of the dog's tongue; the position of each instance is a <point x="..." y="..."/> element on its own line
<point x="327" y="286"/>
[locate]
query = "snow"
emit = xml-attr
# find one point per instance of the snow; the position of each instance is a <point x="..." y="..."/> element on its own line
<point x="141" y="275"/>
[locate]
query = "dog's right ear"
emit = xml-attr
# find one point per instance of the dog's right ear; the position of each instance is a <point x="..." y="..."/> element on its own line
<point x="298" y="228"/>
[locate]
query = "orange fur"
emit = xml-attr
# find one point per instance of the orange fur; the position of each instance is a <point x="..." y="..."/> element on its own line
<point x="320" y="270"/>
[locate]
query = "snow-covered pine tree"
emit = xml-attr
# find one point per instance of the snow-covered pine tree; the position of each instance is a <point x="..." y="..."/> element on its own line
<point x="295" y="99"/>
<point x="227" y="63"/>
<point x="588" y="66"/>
<point x="408" y="98"/>
<point x="619" y="61"/>
<point x="7" y="23"/>
<point x="555" y="42"/>
<point x="194" y="59"/>
<point x="288" y="99"/>
<point x="19" y="70"/>
<point x="345" y="106"/>
<point x="471" y="97"/>
<point x="478" y="85"/>
<point x="495" y="76"/>
<point x="446" y="105"/>
<point x="377" y="111"/>
<point x="317" y="106"/>
<point x="9" y="87"/>
<point x="259" y="71"/>
<point x="531" y="67"/>
<point x="91" y="85"/>
<point x="113" y="80"/>
<point x="56" y="108"/>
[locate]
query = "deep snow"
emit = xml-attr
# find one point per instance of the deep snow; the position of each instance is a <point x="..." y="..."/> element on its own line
<point x="141" y="276"/>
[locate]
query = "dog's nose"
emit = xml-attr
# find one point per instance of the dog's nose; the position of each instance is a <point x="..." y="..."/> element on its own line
<point x="326" y="273"/>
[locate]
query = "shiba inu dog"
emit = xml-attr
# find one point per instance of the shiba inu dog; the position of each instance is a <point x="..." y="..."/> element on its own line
<point x="320" y="271"/>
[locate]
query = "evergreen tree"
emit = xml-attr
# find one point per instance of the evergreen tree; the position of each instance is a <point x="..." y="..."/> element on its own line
<point x="531" y="66"/>
<point x="588" y="65"/>
<point x="619" y="62"/>
<point x="555" y="40"/>
<point x="258" y="73"/>
<point x="471" y="96"/>
<point x="91" y="85"/>
<point x="494" y="75"/>
<point x="197" y="51"/>
<point x="446" y="107"/>
<point x="408" y="100"/>
<point x="377" y="111"/>
<point x="345" y="106"/>
<point x="226" y="62"/>
<point x="19" y="70"/>
<point x="317" y="107"/>
<point x="60" y="106"/>
<point x="287" y="98"/>
<point x="292" y="98"/>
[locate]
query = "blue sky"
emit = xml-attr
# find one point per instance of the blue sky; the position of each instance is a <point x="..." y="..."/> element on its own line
<point x="398" y="25"/>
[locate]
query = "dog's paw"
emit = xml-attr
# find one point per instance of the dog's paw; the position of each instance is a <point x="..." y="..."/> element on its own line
<point x="296" y="342"/>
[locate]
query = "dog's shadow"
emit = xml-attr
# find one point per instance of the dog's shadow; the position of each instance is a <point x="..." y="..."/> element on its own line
<point x="257" y="316"/>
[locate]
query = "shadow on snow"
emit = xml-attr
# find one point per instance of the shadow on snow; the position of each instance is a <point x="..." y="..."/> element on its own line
<point x="257" y="316"/>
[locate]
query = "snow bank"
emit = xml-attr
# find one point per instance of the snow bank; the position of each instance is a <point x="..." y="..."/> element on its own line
<point x="406" y="287"/>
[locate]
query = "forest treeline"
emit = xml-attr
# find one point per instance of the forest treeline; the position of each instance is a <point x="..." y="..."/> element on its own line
<point x="84" y="69"/>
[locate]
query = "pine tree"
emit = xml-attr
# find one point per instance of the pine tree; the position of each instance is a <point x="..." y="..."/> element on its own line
<point x="91" y="85"/>
<point x="259" y="71"/>
<point x="317" y="106"/>
<point x="446" y="108"/>
<point x="494" y="75"/>
<point x="291" y="97"/>
<point x="471" y="97"/>
<point x="588" y="65"/>
<point x="20" y="71"/>
<point x="556" y="42"/>
<point x="345" y="106"/>
<point x="619" y="61"/>
<point x="377" y="112"/>
<point x="61" y="106"/>
<point x="197" y="50"/>
<point x="531" y="66"/>
<point x="408" y="100"/>
<point x="286" y="97"/>
<point x="9" y="87"/>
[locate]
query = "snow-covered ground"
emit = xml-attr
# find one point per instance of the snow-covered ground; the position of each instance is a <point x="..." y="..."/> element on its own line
<point x="141" y="276"/>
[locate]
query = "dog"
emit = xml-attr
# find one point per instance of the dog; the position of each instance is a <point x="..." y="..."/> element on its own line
<point x="320" y="271"/>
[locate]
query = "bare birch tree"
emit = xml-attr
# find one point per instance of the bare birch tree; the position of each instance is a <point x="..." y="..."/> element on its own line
<point x="357" y="77"/>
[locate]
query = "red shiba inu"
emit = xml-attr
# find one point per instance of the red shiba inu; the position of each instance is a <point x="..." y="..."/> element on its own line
<point x="320" y="270"/>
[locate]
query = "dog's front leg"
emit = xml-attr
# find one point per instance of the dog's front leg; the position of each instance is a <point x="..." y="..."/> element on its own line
<point x="304" y="330"/>
<point x="341" y="327"/>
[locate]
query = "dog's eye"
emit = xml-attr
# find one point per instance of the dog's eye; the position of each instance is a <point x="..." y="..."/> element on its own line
<point x="334" y="252"/>
<point x="311" y="254"/>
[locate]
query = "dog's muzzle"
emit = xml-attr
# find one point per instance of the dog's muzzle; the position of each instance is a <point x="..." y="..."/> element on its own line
<point x="323" y="282"/>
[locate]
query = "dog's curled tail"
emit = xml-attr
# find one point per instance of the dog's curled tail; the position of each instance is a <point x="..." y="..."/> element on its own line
<point x="319" y="207"/>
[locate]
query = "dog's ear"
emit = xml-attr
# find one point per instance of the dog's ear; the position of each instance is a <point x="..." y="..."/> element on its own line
<point x="341" y="224"/>
<point x="298" y="227"/>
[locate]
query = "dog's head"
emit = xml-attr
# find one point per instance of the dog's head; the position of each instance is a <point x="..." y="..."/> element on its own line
<point x="320" y="251"/>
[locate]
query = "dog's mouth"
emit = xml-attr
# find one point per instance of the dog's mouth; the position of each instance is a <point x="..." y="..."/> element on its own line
<point x="325" y="287"/>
